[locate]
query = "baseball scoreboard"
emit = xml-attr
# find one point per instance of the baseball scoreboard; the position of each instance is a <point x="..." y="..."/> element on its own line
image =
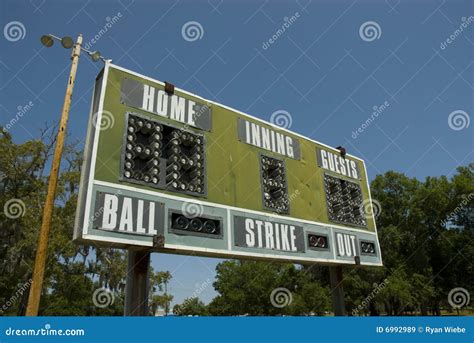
<point x="170" y="171"/>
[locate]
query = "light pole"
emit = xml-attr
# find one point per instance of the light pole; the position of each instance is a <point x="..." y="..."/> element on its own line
<point x="41" y="251"/>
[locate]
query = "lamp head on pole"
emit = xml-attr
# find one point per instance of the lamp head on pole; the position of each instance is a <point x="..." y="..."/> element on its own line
<point x="47" y="41"/>
<point x="95" y="56"/>
<point x="67" y="42"/>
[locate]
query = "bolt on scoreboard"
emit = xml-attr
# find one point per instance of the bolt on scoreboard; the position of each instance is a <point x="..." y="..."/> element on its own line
<point x="172" y="172"/>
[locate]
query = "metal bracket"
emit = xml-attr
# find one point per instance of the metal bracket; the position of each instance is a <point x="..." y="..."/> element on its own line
<point x="342" y="151"/>
<point x="159" y="241"/>
<point x="357" y="260"/>
<point x="169" y="88"/>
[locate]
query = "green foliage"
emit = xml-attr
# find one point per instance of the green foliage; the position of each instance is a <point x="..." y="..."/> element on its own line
<point x="426" y="237"/>
<point x="311" y="299"/>
<point x="191" y="307"/>
<point x="245" y="288"/>
<point x="426" y="232"/>
<point x="72" y="272"/>
<point x="159" y="283"/>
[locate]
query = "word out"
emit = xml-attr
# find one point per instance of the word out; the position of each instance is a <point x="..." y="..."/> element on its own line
<point x="346" y="244"/>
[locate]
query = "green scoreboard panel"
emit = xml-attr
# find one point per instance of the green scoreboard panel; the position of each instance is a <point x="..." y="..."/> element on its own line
<point x="169" y="171"/>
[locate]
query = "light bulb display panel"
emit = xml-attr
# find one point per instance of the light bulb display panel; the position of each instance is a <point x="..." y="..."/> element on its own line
<point x="316" y="241"/>
<point x="367" y="248"/>
<point x="344" y="201"/>
<point x="162" y="156"/>
<point x="170" y="171"/>
<point x="274" y="187"/>
<point x="183" y="224"/>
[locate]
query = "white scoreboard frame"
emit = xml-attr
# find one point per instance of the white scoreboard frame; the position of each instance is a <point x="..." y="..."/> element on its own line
<point x="82" y="233"/>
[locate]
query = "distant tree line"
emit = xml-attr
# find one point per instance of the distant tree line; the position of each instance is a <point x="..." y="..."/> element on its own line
<point x="425" y="231"/>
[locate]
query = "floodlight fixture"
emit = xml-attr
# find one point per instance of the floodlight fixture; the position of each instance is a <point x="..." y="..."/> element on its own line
<point x="95" y="56"/>
<point x="47" y="41"/>
<point x="67" y="42"/>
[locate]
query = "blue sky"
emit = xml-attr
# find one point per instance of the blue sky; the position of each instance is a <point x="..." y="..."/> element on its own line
<point x="325" y="70"/>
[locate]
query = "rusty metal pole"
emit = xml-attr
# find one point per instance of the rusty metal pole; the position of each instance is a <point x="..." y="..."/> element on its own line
<point x="335" y="279"/>
<point x="42" y="249"/>
<point x="137" y="286"/>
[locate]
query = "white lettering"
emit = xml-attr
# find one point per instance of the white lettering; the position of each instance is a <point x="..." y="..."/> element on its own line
<point x="285" y="243"/>
<point x="342" y="166"/>
<point x="347" y="245"/>
<point x="324" y="159"/>
<point x="331" y="161"/>
<point x="269" y="235"/>
<point x="259" y="228"/>
<point x="293" y="238"/>
<point x="354" y="170"/>
<point x="249" y="236"/>
<point x="340" y="244"/>
<point x="338" y="164"/>
<point x="191" y="112"/>
<point x="269" y="244"/>
<point x="273" y="141"/>
<point x="289" y="147"/>
<point x="280" y="143"/>
<point x="126" y="218"/>
<point x="140" y="228"/>
<point x="148" y="98"/>
<point x="171" y="106"/>
<point x="255" y="135"/>
<point x="109" y="217"/>
<point x="178" y="105"/>
<point x="162" y="103"/>
<point x="247" y="132"/>
<point x="353" y="245"/>
<point x="151" y="219"/>
<point x="277" y="236"/>
<point x="266" y="138"/>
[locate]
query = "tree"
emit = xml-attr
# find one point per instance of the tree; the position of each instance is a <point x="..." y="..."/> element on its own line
<point x="426" y="232"/>
<point x="311" y="299"/>
<point x="159" y="283"/>
<point x="426" y="236"/>
<point x="246" y="286"/>
<point x="262" y="288"/>
<point x="191" y="307"/>
<point x="397" y="295"/>
<point x="74" y="272"/>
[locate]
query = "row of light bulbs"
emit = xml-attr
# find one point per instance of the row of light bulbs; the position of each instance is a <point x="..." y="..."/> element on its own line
<point x="274" y="184"/>
<point x="344" y="200"/>
<point x="185" y="163"/>
<point x="199" y="225"/>
<point x="317" y="241"/>
<point x="140" y="153"/>
<point x="151" y="145"/>
<point x="367" y="247"/>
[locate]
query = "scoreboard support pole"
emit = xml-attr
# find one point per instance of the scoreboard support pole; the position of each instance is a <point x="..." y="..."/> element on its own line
<point x="337" y="291"/>
<point x="136" y="288"/>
